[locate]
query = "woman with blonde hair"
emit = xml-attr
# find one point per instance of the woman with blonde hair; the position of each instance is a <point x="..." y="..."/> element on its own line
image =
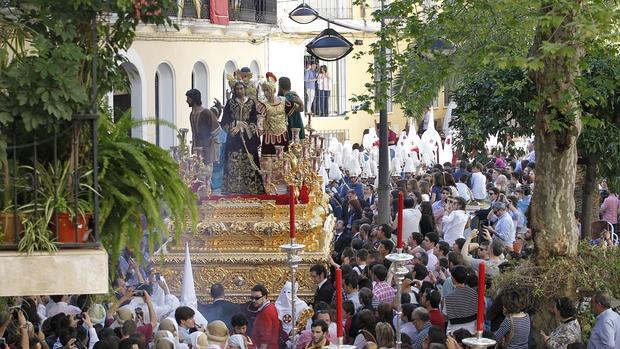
<point x="425" y="190"/>
<point x="501" y="183"/>
<point x="385" y="335"/>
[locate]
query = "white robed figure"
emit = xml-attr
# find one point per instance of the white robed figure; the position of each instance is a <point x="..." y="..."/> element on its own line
<point x="430" y="143"/>
<point x="188" y="291"/>
<point x="284" y="307"/>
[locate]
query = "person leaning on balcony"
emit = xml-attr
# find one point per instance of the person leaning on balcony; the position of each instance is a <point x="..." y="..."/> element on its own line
<point x="310" y="87"/>
<point x="117" y="314"/>
<point x="324" y="83"/>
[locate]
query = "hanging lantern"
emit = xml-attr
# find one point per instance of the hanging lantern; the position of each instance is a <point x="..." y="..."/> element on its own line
<point x="329" y="46"/>
<point x="303" y="14"/>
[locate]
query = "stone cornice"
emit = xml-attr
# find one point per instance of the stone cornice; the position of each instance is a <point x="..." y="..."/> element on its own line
<point x="203" y="30"/>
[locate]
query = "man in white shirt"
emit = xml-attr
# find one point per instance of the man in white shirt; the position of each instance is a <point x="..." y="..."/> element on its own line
<point x="411" y="219"/>
<point x="463" y="189"/>
<point x="58" y="304"/>
<point x="351" y="290"/>
<point x="478" y="183"/>
<point x="429" y="242"/>
<point x="454" y="220"/>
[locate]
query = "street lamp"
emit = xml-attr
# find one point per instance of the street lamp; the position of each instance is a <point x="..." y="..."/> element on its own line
<point x="438" y="47"/>
<point x="329" y="46"/>
<point x="303" y="14"/>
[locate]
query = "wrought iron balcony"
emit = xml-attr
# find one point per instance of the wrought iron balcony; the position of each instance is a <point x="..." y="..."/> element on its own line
<point x="333" y="9"/>
<point x="49" y="211"/>
<point x="257" y="11"/>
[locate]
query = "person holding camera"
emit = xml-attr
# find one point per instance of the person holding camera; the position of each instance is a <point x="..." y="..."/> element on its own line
<point x="504" y="229"/>
<point x="119" y="314"/>
<point x="454" y="220"/>
<point x="494" y="251"/>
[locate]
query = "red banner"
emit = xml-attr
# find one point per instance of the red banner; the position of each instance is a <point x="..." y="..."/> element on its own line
<point x="219" y="12"/>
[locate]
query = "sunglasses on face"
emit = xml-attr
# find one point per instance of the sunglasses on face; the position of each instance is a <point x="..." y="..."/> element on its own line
<point x="256" y="297"/>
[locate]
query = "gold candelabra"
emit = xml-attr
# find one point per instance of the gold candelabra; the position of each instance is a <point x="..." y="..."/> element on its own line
<point x="191" y="166"/>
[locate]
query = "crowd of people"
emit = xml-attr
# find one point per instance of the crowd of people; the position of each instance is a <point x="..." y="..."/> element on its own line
<point x="447" y="229"/>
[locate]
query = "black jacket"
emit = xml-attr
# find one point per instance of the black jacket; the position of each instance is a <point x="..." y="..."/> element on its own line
<point x="325" y="293"/>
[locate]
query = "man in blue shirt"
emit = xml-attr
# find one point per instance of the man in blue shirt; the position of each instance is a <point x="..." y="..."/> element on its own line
<point x="504" y="229"/>
<point x="606" y="331"/>
<point x="310" y="86"/>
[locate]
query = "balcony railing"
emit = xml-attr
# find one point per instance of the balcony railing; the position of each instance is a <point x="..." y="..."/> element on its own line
<point x="257" y="11"/>
<point x="333" y="9"/>
<point x="47" y="187"/>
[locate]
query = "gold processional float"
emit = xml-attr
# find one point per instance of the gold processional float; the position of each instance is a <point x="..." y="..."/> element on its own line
<point x="238" y="239"/>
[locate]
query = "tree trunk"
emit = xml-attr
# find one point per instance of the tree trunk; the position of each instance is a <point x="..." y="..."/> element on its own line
<point x="587" y="196"/>
<point x="557" y="127"/>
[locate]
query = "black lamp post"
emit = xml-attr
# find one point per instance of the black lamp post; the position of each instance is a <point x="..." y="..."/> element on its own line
<point x="329" y="46"/>
<point x="303" y="14"/>
<point x="383" y="189"/>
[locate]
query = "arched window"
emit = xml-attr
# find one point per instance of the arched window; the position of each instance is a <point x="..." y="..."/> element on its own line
<point x="229" y="68"/>
<point x="164" y="105"/>
<point x="200" y="81"/>
<point x="255" y="68"/>
<point x="130" y="98"/>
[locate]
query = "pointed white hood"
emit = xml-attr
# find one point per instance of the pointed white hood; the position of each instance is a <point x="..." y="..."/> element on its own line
<point x="284" y="306"/>
<point x="188" y="291"/>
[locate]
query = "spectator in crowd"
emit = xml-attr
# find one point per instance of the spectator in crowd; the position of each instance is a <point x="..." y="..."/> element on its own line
<point x="568" y="330"/>
<point x="606" y="330"/>
<point x="494" y="251"/>
<point x="384" y="335"/>
<point x="366" y="323"/>
<point x="266" y="329"/>
<point x="428" y="244"/>
<point x="319" y="335"/>
<point x="461" y="303"/>
<point x="514" y="331"/>
<point x="504" y="229"/>
<point x="609" y="208"/>
<point x="220" y="309"/>
<point x="478" y="182"/>
<point x="240" y="326"/>
<point x="411" y="218"/>
<point x="427" y="221"/>
<point x="455" y="219"/>
<point x="351" y="290"/>
<point x="431" y="299"/>
<point x="422" y="324"/>
<point x="382" y="291"/>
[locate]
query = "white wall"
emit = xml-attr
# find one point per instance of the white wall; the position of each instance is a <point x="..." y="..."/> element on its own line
<point x="182" y="56"/>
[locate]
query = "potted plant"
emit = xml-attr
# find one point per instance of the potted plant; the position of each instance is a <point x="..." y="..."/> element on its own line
<point x="36" y="235"/>
<point x="10" y="221"/>
<point x="67" y="201"/>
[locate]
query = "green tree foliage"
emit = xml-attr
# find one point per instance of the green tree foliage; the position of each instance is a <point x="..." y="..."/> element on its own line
<point x="53" y="56"/>
<point x="138" y="180"/>
<point x="47" y="49"/>
<point x="493" y="102"/>
<point x="500" y="102"/>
